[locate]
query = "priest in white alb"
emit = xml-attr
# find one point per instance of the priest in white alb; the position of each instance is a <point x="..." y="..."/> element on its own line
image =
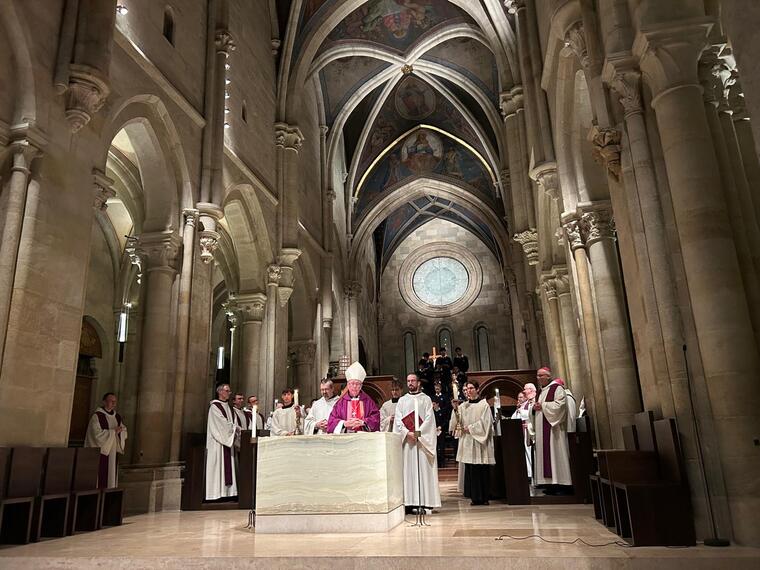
<point x="251" y="410"/>
<point x="414" y="412"/>
<point x="108" y="432"/>
<point x="552" y="466"/>
<point x="287" y="420"/>
<point x="388" y="408"/>
<point x="221" y="432"/>
<point x="316" y="419"/>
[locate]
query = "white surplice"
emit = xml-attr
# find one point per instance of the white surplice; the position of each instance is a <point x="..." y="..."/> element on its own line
<point x="555" y="413"/>
<point x="420" y="470"/>
<point x="476" y="447"/>
<point x="221" y="432"/>
<point x="319" y="411"/>
<point x="455" y="429"/>
<point x="107" y="440"/>
<point x="242" y="421"/>
<point x="572" y="411"/>
<point x="283" y="421"/>
<point x="259" y="419"/>
<point x="386" y="413"/>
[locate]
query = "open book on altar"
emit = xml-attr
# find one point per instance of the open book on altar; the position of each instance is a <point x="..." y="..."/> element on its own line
<point x="408" y="421"/>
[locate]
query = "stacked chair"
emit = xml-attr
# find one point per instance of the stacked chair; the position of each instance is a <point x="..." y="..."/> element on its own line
<point x="641" y="492"/>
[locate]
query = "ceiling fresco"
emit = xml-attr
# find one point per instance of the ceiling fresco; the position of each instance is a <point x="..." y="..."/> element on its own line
<point x="424" y="152"/>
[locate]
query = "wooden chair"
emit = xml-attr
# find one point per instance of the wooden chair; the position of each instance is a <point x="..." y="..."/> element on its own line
<point x="22" y="468"/>
<point x="85" y="496"/>
<point x="111" y="507"/>
<point x="658" y="512"/>
<point x="51" y="509"/>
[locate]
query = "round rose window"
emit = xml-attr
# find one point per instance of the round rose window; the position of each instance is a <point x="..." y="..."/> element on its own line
<point x="440" y="281"/>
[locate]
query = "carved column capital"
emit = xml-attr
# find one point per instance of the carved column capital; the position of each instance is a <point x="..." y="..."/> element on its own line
<point x="224" y="43"/>
<point x="605" y="148"/>
<point x="597" y="225"/>
<point x="86" y="93"/>
<point x="710" y="71"/>
<point x="103" y="187"/>
<point x="303" y="352"/>
<point x="208" y="238"/>
<point x="352" y="289"/>
<point x="251" y="306"/>
<point x="575" y="40"/>
<point x="191" y="217"/>
<point x="549" y="285"/>
<point x="288" y="136"/>
<point x="26" y="145"/>
<point x="545" y="175"/>
<point x="528" y="239"/>
<point x="160" y="250"/>
<point x="573" y="234"/>
<point x="624" y="79"/>
<point x="287" y="259"/>
<point x="273" y="274"/>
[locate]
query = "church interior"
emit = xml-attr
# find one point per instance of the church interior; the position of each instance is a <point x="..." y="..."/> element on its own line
<point x="260" y="192"/>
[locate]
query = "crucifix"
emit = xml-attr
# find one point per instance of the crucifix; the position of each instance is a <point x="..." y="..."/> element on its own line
<point x="434" y="357"/>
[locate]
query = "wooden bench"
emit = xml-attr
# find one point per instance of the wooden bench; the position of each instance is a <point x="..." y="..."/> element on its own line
<point x="84" y="514"/>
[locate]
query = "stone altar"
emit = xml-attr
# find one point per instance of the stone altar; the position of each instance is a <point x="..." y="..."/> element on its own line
<point x="329" y="483"/>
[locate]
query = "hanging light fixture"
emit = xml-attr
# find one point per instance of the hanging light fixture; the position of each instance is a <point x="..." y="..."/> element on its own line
<point x="122" y="10"/>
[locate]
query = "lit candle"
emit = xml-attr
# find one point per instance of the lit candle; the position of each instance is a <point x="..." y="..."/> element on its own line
<point x="276" y="401"/>
<point x="455" y="390"/>
<point x="497" y="400"/>
<point x="254" y="420"/>
<point x="416" y="416"/>
<point x="220" y="358"/>
<point x="295" y="397"/>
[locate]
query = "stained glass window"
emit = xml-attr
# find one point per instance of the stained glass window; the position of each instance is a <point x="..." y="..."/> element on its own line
<point x="440" y="281"/>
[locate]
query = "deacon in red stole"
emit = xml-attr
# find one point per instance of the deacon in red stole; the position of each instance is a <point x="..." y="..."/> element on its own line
<point x="108" y="432"/>
<point x="220" y="439"/>
<point x="355" y="411"/>
<point x="549" y="421"/>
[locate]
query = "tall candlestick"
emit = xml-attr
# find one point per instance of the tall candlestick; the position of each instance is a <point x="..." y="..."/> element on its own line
<point x="416" y="416"/>
<point x="455" y="390"/>
<point x="254" y="420"/>
<point x="497" y="400"/>
<point x="295" y="397"/>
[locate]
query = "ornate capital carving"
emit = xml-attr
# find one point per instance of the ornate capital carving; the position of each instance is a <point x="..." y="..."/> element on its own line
<point x="160" y="250"/>
<point x="597" y="225"/>
<point x="352" y="289"/>
<point x="575" y="40"/>
<point x="288" y="137"/>
<point x="549" y="285"/>
<point x="251" y="306"/>
<point x="330" y="195"/>
<point x="224" y="42"/>
<point x="735" y="99"/>
<point x="513" y="6"/>
<point x="624" y="78"/>
<point x="86" y="93"/>
<point x="191" y="217"/>
<point x="528" y="239"/>
<point x="573" y="234"/>
<point x="668" y="56"/>
<point x="26" y="144"/>
<point x="511" y="101"/>
<point x="273" y="274"/>
<point x="103" y="189"/>
<point x="209" y="242"/>
<point x="303" y="353"/>
<point x="545" y="175"/>
<point x="605" y="148"/>
<point x="710" y="69"/>
<point x="287" y="259"/>
<point x="562" y="283"/>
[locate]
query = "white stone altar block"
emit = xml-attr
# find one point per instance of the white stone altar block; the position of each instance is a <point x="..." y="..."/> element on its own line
<point x="329" y="483"/>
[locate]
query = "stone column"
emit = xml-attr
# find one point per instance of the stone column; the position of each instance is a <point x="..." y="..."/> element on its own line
<point x="252" y="307"/>
<point x="24" y="151"/>
<point x="575" y="374"/>
<point x="351" y="290"/>
<point x="153" y="429"/>
<point x="747" y="145"/>
<point x="557" y="352"/>
<point x="287" y="259"/>
<point x="266" y="388"/>
<point x="624" y="398"/>
<point x="224" y="45"/>
<point x="597" y="405"/>
<point x="303" y="354"/>
<point x="183" y="328"/>
<point x="288" y="140"/>
<point x="726" y="341"/>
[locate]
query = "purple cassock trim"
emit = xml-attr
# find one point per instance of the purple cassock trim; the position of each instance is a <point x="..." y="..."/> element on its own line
<point x="249" y="416"/>
<point x="103" y="464"/>
<point x="226" y="452"/>
<point x="547" y="433"/>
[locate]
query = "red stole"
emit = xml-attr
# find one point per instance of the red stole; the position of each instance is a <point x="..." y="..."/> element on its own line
<point x="547" y="433"/>
<point x="226" y="451"/>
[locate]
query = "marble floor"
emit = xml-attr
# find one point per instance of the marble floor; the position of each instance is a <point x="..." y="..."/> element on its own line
<point x="459" y="537"/>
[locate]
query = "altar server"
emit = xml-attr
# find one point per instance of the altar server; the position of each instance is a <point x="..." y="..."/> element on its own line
<point x="253" y="403"/>
<point x="476" y="445"/>
<point x="549" y="422"/>
<point x="388" y="408"/>
<point x="354" y="411"/>
<point x="108" y="432"/>
<point x="220" y="438"/>
<point x="287" y="419"/>
<point x="316" y="420"/>
<point x="420" y="469"/>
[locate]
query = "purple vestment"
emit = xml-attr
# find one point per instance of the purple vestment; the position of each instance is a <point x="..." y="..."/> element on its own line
<point x="340" y="413"/>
